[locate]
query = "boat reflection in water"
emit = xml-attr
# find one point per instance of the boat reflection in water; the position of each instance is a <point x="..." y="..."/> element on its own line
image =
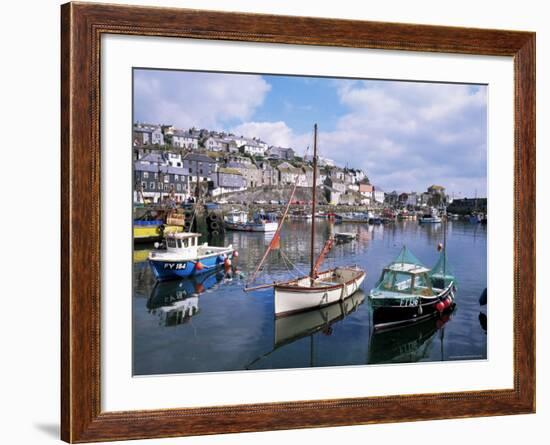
<point x="175" y="302"/>
<point x="408" y="344"/>
<point x="303" y="324"/>
<point x="294" y="327"/>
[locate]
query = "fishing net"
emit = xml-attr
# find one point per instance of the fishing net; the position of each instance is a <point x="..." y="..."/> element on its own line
<point x="406" y="257"/>
<point x="442" y="274"/>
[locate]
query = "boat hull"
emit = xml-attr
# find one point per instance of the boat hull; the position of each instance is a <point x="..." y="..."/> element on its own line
<point x="390" y="316"/>
<point x="165" y="269"/>
<point x="147" y="234"/>
<point x="252" y="227"/>
<point x="429" y="220"/>
<point x="291" y="298"/>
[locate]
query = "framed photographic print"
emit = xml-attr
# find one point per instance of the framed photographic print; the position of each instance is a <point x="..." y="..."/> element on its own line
<point x="279" y="222"/>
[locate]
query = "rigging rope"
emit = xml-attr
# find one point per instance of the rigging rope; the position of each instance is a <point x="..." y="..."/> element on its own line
<point x="292" y="264"/>
<point x="276" y="237"/>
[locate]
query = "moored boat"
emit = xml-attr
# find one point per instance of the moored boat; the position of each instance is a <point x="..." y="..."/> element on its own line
<point x="373" y="218"/>
<point x="318" y="289"/>
<point x="301" y="215"/>
<point x="184" y="257"/>
<point x="345" y="237"/>
<point x="147" y="231"/>
<point x="354" y="217"/>
<point x="408" y="292"/>
<point x="260" y="223"/>
<point x="326" y="288"/>
<point x="430" y="218"/>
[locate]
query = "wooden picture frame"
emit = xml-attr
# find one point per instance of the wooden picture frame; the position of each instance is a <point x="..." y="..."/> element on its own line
<point x="82" y="26"/>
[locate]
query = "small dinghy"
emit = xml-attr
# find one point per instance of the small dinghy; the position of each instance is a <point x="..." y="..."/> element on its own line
<point x="344" y="237"/>
<point x="184" y="257"/>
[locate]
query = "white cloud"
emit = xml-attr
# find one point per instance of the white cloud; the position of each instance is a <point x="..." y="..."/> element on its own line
<point x="275" y="133"/>
<point x="409" y="135"/>
<point x="196" y="99"/>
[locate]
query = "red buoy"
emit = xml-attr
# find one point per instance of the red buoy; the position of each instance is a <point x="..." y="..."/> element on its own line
<point x="235" y="254"/>
<point x="440" y="306"/>
<point x="199" y="265"/>
<point x="447" y="302"/>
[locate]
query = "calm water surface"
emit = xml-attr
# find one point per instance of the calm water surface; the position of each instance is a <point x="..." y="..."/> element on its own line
<point x="210" y="324"/>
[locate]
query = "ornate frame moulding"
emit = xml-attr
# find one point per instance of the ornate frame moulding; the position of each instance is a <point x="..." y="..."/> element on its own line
<point x="82" y="26"/>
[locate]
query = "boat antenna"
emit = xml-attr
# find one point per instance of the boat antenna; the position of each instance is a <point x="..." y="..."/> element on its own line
<point x="312" y="255"/>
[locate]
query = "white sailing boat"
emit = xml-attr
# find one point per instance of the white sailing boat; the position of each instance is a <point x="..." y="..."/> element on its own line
<point x="319" y="288"/>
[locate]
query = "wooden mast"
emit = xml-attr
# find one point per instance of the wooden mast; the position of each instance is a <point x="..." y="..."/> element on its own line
<point x="312" y="270"/>
<point x="445" y="245"/>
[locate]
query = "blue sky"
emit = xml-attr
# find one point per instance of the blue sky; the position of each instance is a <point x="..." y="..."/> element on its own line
<point x="405" y="135"/>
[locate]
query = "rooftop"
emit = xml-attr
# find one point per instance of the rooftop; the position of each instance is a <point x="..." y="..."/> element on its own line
<point x="229" y="171"/>
<point x="197" y="157"/>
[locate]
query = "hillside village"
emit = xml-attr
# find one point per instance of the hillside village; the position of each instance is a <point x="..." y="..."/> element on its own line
<point x="178" y="164"/>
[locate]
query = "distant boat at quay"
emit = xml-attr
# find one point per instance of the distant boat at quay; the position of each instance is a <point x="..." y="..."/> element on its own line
<point x="261" y="222"/>
<point x="344" y="237"/>
<point x="184" y="257"/>
<point x="300" y="215"/>
<point x="355" y="217"/>
<point x="430" y="218"/>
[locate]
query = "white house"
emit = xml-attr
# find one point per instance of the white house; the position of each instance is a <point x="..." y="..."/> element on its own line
<point x="378" y="195"/>
<point x="184" y="139"/>
<point x="254" y="147"/>
<point x="148" y="134"/>
<point x="214" y="143"/>
<point x="174" y="160"/>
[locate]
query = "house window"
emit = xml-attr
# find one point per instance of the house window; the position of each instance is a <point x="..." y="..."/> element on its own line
<point x="152" y="185"/>
<point x="144" y="186"/>
<point x="200" y="171"/>
<point x="166" y="187"/>
<point x="190" y="170"/>
<point x="156" y="175"/>
<point x="160" y="185"/>
<point x="178" y="187"/>
<point x="145" y="175"/>
<point x="176" y="177"/>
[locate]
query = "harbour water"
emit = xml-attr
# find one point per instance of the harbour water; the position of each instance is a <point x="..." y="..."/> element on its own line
<point x="210" y="324"/>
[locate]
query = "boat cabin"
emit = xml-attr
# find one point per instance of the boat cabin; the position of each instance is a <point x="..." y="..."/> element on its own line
<point x="183" y="243"/>
<point x="401" y="279"/>
<point x="237" y="217"/>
